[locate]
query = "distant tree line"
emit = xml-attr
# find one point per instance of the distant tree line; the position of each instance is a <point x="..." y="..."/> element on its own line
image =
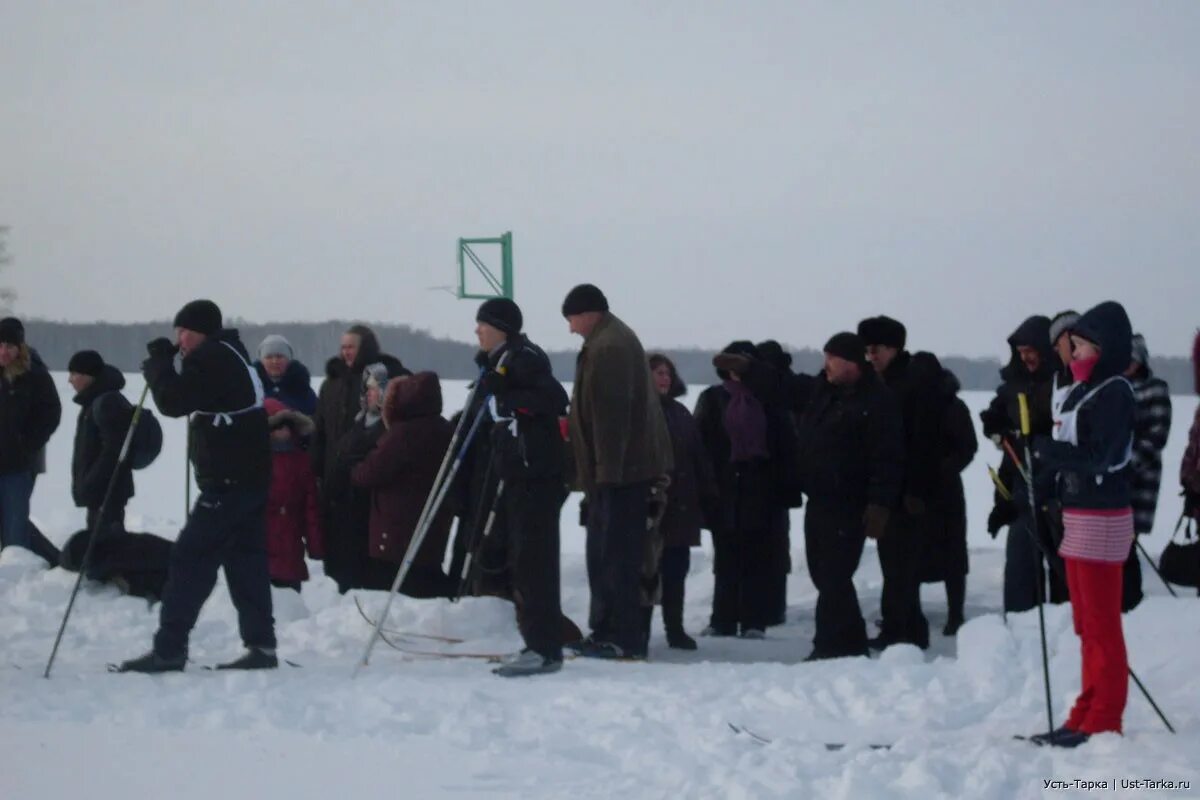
<point x="124" y="345"/>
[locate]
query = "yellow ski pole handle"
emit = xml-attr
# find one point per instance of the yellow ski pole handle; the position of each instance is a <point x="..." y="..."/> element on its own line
<point x="1023" y="401"/>
<point x="1000" y="487"/>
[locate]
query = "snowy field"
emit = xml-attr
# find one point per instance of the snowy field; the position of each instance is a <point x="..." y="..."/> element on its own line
<point x="414" y="727"/>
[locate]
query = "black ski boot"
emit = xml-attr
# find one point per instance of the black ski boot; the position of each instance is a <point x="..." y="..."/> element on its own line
<point x="255" y="658"/>
<point x="151" y="663"/>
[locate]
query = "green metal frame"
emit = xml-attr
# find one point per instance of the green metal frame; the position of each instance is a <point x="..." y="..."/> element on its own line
<point x="502" y="286"/>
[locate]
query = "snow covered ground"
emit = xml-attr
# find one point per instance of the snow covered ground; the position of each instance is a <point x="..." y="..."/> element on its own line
<point x="430" y="728"/>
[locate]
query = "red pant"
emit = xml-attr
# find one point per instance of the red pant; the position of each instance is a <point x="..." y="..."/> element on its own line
<point x="1096" y="608"/>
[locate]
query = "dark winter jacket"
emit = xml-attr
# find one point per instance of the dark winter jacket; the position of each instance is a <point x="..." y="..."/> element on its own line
<point x="1002" y="418"/>
<point x="1151" y="427"/>
<point x="347" y="520"/>
<point x="692" y="495"/>
<point x="104" y="417"/>
<point x="293" y="520"/>
<point x="294" y="389"/>
<point x="401" y="470"/>
<point x="340" y="400"/>
<point x="851" y="450"/>
<point x="914" y="381"/>
<point x="1088" y="477"/>
<point x="779" y="468"/>
<point x="219" y="388"/>
<point x="945" y="550"/>
<point x="618" y="433"/>
<point x="29" y="412"/>
<point x="526" y="442"/>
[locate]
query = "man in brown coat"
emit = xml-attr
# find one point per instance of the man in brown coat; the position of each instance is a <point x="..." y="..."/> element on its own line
<point x="621" y="445"/>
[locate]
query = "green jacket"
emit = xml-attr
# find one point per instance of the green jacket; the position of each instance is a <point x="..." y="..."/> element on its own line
<point x="618" y="431"/>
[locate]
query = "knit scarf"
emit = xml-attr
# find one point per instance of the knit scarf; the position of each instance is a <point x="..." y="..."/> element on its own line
<point x="745" y="423"/>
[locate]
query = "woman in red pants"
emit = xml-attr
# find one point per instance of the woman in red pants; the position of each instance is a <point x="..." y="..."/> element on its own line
<point x="1090" y="453"/>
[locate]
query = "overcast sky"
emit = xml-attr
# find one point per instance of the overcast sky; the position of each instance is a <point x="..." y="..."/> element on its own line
<point x="721" y="171"/>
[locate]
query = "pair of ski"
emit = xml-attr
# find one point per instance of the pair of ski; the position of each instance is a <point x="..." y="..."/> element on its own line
<point x="757" y="738"/>
<point x="395" y="639"/>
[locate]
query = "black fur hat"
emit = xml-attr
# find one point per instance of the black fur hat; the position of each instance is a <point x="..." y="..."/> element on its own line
<point x="883" y="330"/>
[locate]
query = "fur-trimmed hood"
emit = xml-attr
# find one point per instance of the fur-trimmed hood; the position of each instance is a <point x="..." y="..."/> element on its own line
<point x="21" y="364"/>
<point x="411" y="397"/>
<point x="279" y="414"/>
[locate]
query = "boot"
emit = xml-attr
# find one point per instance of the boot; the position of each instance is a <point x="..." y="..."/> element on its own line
<point x="527" y="662"/>
<point x="150" y="663"/>
<point x="42" y="547"/>
<point x="672" y="614"/>
<point x="956" y="594"/>
<point x="255" y="658"/>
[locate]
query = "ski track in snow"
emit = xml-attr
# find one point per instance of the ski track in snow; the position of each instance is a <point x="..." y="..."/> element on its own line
<point x="419" y="727"/>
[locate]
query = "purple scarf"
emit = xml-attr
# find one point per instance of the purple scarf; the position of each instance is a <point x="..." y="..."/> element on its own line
<point x="746" y="424"/>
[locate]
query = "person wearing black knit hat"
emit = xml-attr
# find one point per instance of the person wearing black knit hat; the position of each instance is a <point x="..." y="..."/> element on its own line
<point x="584" y="299"/>
<point x="524" y="449"/>
<point x="622" y="456"/>
<point x="219" y="389"/>
<point x="104" y="417"/>
<point x="201" y="316"/>
<point x="29" y="414"/>
<point x="502" y="314"/>
<point x="851" y="462"/>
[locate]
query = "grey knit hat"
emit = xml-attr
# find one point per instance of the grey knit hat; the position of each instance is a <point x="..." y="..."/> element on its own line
<point x="1062" y="323"/>
<point x="275" y="345"/>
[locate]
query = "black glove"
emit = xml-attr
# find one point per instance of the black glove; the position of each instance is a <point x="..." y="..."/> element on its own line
<point x="1003" y="513"/>
<point x="914" y="505"/>
<point x="162" y="347"/>
<point x="482" y="358"/>
<point x="875" y="520"/>
<point x="995" y="423"/>
<point x="492" y="382"/>
<point x="1191" y="504"/>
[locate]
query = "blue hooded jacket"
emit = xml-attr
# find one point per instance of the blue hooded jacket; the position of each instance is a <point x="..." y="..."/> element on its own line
<point x="1104" y="423"/>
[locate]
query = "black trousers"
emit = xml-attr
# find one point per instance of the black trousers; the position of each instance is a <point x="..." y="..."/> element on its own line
<point x="1023" y="559"/>
<point x="227" y="530"/>
<point x="748" y="555"/>
<point x="616" y="530"/>
<point x="833" y="545"/>
<point x="900" y="553"/>
<point x="530" y="515"/>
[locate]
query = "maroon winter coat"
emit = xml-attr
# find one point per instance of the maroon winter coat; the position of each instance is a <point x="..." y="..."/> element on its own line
<point x="401" y="469"/>
<point x="293" y="521"/>
<point x="1189" y="470"/>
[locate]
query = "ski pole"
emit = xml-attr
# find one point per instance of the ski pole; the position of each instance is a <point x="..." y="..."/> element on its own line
<point x="476" y="543"/>
<point x="1000" y="487"/>
<point x="1023" y="401"/>
<point x="95" y="531"/>
<point x="1060" y="571"/>
<point x="187" y="472"/>
<point x="433" y="503"/>
<point x="1153" y="566"/>
<point x="458" y="429"/>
